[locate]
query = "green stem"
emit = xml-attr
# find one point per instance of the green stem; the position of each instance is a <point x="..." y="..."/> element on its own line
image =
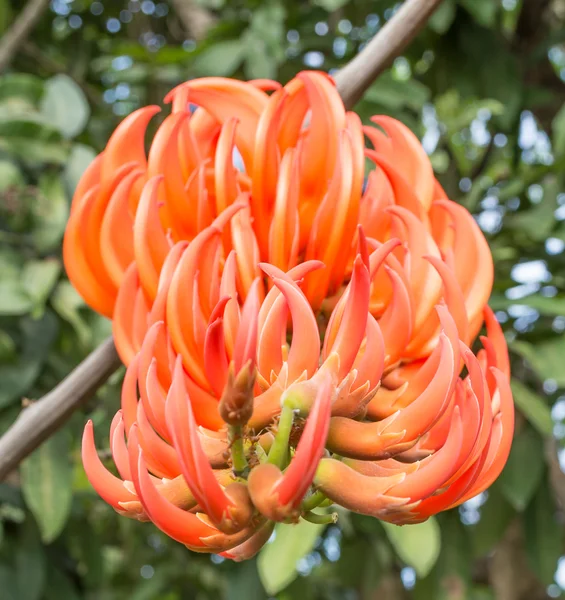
<point x="318" y="519"/>
<point x="261" y="454"/>
<point x="313" y="501"/>
<point x="279" y="450"/>
<point x="239" y="462"/>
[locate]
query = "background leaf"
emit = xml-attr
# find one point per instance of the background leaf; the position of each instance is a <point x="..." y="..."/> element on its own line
<point x="64" y="105"/>
<point x="46" y="485"/>
<point x="532" y="407"/>
<point x="277" y="561"/>
<point x="526" y="456"/>
<point x="544" y="541"/>
<point x="417" y="545"/>
<point x="221" y="59"/>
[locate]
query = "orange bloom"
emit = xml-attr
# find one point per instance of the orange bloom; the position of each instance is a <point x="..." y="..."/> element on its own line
<point x="291" y="335"/>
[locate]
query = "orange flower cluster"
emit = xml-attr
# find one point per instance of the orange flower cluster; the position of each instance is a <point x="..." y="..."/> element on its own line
<point x="292" y="336"/>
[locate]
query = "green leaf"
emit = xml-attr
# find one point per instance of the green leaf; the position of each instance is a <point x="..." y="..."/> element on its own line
<point x="358" y="566"/>
<point x="533" y="407"/>
<point x="148" y="589"/>
<point x="483" y="11"/>
<point x="545" y="357"/>
<point x="542" y="214"/>
<point x="10" y="175"/>
<point x="526" y="456"/>
<point x="65" y="106"/>
<point x="455" y="559"/>
<point x="51" y="214"/>
<point x="554" y="306"/>
<point x="259" y="63"/>
<point x="543" y="532"/>
<point x="331" y="5"/>
<point x="30" y="562"/>
<point x="496" y="515"/>
<point x="394" y="94"/>
<point x="79" y="159"/>
<point x="87" y="547"/>
<point x="482" y="593"/>
<point x="8" y="583"/>
<point x="220" y="59"/>
<point x="59" y="586"/>
<point x="39" y="277"/>
<point x="67" y="302"/>
<point x="5" y="15"/>
<point x="17" y="378"/>
<point x="558" y="128"/>
<point x="443" y="17"/>
<point x="277" y="560"/>
<point x="34" y="151"/>
<point x="14" y="299"/>
<point x="244" y="582"/>
<point x="21" y="85"/>
<point x="417" y="545"/>
<point x="47" y="485"/>
<point x="7" y="347"/>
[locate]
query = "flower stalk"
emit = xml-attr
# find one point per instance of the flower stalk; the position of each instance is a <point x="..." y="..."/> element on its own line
<point x="279" y="452"/>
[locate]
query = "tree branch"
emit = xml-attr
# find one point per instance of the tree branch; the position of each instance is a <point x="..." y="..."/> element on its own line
<point x="19" y="30"/>
<point x="48" y="414"/>
<point x="37" y="422"/>
<point x="196" y="20"/>
<point x="354" y="79"/>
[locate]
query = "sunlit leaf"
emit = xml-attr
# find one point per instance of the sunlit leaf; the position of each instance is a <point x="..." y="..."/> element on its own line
<point x="443" y="16"/>
<point x="64" y="105"/>
<point x="14" y="300"/>
<point x="277" y="561"/>
<point x="10" y="175"/>
<point x="417" y="545"/>
<point x="331" y="5"/>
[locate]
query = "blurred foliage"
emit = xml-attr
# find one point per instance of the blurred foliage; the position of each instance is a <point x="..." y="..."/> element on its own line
<point x="483" y="86"/>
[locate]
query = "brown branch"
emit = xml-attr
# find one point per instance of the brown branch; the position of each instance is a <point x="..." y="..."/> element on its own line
<point x="354" y="79"/>
<point x="37" y="422"/>
<point x="196" y="20"/>
<point x="19" y="30"/>
<point x="49" y="413"/>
